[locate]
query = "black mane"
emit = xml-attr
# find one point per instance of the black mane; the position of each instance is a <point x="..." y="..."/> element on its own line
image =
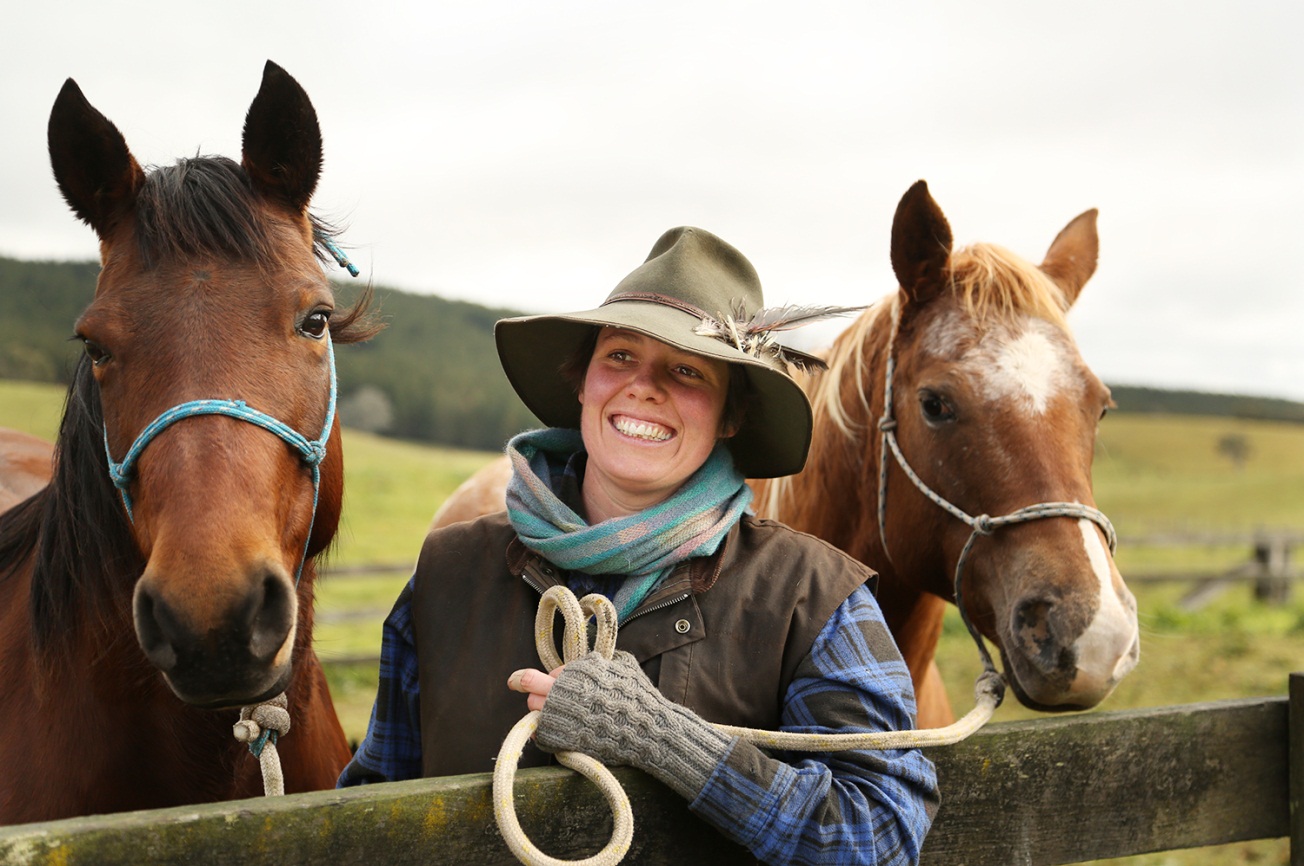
<point x="75" y="526"/>
<point x="205" y="205"/>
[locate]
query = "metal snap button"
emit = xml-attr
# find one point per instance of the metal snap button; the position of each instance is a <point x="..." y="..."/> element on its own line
<point x="682" y="626"/>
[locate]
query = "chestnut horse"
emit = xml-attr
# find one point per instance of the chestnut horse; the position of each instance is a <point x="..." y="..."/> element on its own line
<point x="208" y="352"/>
<point x="996" y="412"/>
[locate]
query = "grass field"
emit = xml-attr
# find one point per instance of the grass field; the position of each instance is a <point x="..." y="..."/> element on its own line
<point x="1153" y="474"/>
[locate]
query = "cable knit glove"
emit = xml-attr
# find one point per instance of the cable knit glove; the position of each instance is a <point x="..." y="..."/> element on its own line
<point x="611" y="711"/>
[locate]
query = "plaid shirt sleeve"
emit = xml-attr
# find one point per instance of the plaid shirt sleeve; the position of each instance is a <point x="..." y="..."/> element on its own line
<point x="842" y="807"/>
<point x="391" y="750"/>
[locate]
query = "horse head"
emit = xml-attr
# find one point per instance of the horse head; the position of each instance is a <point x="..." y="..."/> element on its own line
<point x="211" y="290"/>
<point x="996" y="411"/>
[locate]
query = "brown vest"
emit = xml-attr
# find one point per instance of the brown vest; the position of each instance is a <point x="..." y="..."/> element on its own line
<point x="722" y="635"/>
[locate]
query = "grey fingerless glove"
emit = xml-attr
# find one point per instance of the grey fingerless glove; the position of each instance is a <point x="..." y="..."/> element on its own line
<point x="611" y="711"/>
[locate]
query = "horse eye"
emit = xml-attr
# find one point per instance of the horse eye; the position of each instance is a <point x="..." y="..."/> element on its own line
<point x="316" y="324"/>
<point x="95" y="352"/>
<point x="934" y="407"/>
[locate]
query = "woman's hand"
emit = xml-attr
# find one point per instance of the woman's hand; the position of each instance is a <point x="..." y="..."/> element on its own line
<point x="533" y="683"/>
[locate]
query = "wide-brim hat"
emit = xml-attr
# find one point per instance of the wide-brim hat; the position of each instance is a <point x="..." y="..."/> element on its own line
<point x="694" y="292"/>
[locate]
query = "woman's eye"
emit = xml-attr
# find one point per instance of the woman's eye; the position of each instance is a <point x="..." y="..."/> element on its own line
<point x="934" y="407"/>
<point x="316" y="324"/>
<point x="95" y="352"/>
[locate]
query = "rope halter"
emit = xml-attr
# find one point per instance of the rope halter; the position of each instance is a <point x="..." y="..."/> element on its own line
<point x="311" y="451"/>
<point x="262" y="724"/>
<point x="981" y="524"/>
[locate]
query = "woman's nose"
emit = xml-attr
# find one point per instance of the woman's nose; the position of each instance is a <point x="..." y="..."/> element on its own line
<point x="647" y="384"/>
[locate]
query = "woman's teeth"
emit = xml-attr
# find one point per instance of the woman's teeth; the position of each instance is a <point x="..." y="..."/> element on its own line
<point x="642" y="429"/>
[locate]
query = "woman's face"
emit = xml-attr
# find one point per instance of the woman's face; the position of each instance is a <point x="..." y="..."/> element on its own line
<point x="650" y="416"/>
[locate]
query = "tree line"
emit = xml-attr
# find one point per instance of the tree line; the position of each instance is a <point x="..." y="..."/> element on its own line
<point x="431" y="375"/>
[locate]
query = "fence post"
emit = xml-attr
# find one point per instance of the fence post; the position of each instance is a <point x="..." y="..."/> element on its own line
<point x="1272" y="555"/>
<point x="1295" y="736"/>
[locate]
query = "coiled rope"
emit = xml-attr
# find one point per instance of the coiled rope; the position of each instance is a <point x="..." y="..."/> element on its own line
<point x="989" y="690"/>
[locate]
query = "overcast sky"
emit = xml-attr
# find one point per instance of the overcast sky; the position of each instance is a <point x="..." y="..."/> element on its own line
<point x="528" y="154"/>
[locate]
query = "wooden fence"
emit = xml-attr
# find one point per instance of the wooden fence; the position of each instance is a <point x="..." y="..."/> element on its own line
<point x="1269" y="565"/>
<point x="1055" y="790"/>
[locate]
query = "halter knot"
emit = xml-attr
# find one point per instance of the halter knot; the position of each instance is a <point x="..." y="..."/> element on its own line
<point x="258" y="723"/>
<point x="983" y="525"/>
<point x="315" y="452"/>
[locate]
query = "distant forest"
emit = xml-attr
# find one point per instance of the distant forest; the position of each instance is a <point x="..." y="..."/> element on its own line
<point x="432" y="375"/>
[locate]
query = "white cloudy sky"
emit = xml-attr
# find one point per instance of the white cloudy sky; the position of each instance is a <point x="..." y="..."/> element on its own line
<point x="527" y="153"/>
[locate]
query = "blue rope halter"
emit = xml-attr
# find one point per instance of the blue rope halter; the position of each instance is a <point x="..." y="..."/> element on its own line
<point x="311" y="451"/>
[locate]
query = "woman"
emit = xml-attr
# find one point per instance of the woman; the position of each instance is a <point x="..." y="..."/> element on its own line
<point x="659" y="404"/>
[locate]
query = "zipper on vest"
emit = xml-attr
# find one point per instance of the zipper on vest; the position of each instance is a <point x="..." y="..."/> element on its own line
<point x="676" y="599"/>
<point x="541" y="588"/>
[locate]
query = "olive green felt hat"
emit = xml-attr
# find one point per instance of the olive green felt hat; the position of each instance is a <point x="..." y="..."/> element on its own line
<point x="696" y="293"/>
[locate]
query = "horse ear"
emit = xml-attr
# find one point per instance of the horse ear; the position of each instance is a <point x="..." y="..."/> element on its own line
<point x="95" y="171"/>
<point x="1071" y="259"/>
<point x="921" y="245"/>
<point x="282" y="141"/>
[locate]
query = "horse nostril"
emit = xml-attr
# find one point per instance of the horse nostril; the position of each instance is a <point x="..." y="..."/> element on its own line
<point x="1035" y="633"/>
<point x="273" y="615"/>
<point x="155" y="628"/>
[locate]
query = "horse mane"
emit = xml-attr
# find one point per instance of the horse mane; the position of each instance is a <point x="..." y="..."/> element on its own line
<point x="995" y="285"/>
<point x="74" y="530"/>
<point x="992" y="286"/>
<point x="75" y="526"/>
<point x="206" y="206"/>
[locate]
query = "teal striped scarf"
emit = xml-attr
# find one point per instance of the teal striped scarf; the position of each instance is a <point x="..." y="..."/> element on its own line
<point x="643" y="547"/>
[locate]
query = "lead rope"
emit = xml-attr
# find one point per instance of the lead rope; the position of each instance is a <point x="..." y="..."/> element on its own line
<point x="988" y="692"/>
<point x="260" y="726"/>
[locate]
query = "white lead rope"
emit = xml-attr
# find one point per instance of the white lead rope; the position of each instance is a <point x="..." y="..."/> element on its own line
<point x="260" y="726"/>
<point x="988" y="692"/>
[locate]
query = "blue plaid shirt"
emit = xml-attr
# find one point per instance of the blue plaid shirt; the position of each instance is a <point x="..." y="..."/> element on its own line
<point x="837" y="808"/>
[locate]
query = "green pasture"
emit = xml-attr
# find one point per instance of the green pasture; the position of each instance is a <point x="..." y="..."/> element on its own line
<point x="1153" y="474"/>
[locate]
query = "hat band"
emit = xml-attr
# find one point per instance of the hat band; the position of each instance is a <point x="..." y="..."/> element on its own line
<point x="656" y="298"/>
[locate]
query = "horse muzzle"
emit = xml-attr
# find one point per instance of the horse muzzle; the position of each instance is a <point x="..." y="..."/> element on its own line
<point x="219" y="651"/>
<point x="1060" y="655"/>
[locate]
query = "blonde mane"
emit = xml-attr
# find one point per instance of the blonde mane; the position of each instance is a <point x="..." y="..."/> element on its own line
<point x="991" y="284"/>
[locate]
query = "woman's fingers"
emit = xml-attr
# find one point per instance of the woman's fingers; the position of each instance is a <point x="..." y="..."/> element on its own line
<point x="535" y="684"/>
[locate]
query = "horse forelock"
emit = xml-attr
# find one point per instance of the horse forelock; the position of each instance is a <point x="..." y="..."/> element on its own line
<point x="206" y="205"/>
<point x="993" y="285"/>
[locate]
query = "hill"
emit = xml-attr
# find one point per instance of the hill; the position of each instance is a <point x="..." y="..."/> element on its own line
<point x="432" y="375"/>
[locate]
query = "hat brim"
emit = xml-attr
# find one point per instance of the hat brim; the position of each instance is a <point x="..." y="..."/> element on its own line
<point x="776" y="430"/>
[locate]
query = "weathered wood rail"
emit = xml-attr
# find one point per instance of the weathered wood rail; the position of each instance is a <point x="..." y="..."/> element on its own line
<point x="1056" y="790"/>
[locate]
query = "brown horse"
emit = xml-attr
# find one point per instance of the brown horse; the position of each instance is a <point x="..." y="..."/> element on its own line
<point x="211" y="290"/>
<point x="996" y="411"/>
<point x="24" y="466"/>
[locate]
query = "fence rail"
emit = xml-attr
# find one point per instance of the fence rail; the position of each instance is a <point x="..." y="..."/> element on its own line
<point x="1051" y="791"/>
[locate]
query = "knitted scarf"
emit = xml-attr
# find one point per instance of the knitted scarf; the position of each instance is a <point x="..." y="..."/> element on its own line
<point x="642" y="547"/>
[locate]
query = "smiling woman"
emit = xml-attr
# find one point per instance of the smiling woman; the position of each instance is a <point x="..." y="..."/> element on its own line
<point x="651" y="416"/>
<point x="658" y="402"/>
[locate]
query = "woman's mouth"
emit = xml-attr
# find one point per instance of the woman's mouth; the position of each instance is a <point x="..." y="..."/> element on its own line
<point x="645" y="430"/>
